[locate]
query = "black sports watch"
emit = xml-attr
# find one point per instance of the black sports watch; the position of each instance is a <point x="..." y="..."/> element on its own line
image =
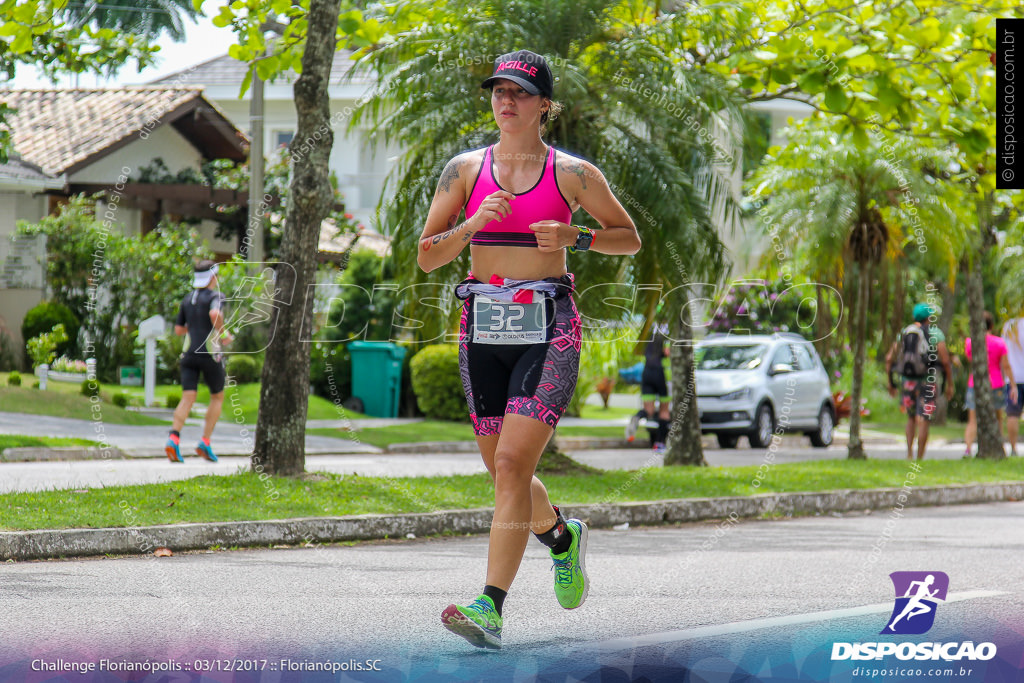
<point x="583" y="240"/>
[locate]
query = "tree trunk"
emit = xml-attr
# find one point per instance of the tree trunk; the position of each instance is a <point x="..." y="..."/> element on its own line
<point x="855" y="448"/>
<point x="284" y="393"/>
<point x="990" y="441"/>
<point x="945" y="319"/>
<point x="683" y="446"/>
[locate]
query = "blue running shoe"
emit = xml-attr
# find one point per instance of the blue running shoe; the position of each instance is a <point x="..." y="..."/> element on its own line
<point x="479" y="623"/>
<point x="173" y="453"/>
<point x="205" y="451"/>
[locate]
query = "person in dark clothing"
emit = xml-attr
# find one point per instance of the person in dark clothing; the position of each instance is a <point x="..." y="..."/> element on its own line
<point x="201" y="320"/>
<point x="654" y="388"/>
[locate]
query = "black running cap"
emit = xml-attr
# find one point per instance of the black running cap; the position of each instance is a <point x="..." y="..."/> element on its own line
<point x="524" y="68"/>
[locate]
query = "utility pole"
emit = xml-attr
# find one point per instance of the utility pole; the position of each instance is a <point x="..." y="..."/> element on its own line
<point x="254" y="225"/>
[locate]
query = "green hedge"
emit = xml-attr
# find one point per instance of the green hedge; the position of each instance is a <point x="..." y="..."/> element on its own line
<point x="438" y="384"/>
<point x="46" y="315"/>
<point x="243" y="368"/>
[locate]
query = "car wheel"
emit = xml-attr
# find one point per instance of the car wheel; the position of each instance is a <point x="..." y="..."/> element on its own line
<point x="727" y="440"/>
<point x="822" y="438"/>
<point x="764" y="427"/>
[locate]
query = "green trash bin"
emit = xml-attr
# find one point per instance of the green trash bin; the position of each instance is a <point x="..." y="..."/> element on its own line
<point x="377" y="376"/>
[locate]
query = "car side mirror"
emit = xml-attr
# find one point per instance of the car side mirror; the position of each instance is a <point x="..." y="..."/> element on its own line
<point x="780" y="369"/>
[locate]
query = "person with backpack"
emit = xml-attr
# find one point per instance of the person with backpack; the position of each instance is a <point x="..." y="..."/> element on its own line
<point x="917" y="356"/>
<point x="1000" y="377"/>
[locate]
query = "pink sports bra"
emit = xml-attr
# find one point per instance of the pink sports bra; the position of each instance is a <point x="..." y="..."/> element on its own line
<point x="542" y="202"/>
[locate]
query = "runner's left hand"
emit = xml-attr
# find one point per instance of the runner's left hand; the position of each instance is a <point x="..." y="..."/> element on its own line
<point x="554" y="235"/>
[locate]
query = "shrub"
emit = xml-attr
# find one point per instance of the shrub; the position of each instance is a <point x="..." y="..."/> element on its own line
<point x="168" y="355"/>
<point x="42" y="348"/>
<point x="172" y="401"/>
<point x="243" y="368"/>
<point x="90" y="387"/>
<point x="14" y="379"/>
<point x="43" y="317"/>
<point x="330" y="371"/>
<point x="438" y="384"/>
<point x="120" y="399"/>
<point x="8" y="351"/>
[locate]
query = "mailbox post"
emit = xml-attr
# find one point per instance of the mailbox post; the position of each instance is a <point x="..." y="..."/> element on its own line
<point x="150" y="330"/>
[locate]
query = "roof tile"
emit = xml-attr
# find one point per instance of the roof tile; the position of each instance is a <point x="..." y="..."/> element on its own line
<point x="55" y="129"/>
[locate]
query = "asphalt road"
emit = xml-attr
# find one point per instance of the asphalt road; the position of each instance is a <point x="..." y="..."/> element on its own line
<point x="767" y="598"/>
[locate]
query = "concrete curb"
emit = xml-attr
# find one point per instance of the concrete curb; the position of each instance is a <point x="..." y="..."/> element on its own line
<point x="46" y="454"/>
<point x="29" y="545"/>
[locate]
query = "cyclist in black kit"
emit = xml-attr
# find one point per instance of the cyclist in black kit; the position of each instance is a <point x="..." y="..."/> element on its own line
<point x="201" y="320"/>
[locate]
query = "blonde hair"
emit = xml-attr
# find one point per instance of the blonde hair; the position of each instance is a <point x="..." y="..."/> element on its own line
<point x="554" y="109"/>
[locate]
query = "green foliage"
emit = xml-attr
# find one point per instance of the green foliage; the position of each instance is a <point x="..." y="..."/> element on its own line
<point x="605" y="351"/>
<point x="90" y="388"/>
<point x="330" y="371"/>
<point x="8" y="352"/>
<point x="58" y="37"/>
<point x="172" y="400"/>
<point x="243" y="368"/>
<point x="168" y="355"/>
<point x="136" y="278"/>
<point x="120" y="399"/>
<point x="43" y="348"/>
<point x="366" y="305"/>
<point x="638" y="107"/>
<point x="46" y="315"/>
<point x="438" y="384"/>
<point x="763" y="307"/>
<point x="14" y="379"/>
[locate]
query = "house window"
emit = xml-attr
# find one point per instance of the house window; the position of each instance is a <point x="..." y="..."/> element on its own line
<point x="282" y="138"/>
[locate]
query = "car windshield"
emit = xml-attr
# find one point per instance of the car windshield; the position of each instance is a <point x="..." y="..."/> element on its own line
<point x="729" y="357"/>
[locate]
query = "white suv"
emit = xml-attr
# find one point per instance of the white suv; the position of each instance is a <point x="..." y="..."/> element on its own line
<point x="758" y="384"/>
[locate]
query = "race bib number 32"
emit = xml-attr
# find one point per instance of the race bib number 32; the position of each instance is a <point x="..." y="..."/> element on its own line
<point x="501" y="322"/>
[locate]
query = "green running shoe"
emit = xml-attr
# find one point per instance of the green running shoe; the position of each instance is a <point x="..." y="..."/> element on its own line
<point x="571" y="585"/>
<point x="479" y="623"/>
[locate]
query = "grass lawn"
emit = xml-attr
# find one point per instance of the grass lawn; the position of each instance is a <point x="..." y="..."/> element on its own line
<point x="244" y="497"/>
<point x="951" y="432"/>
<point x="18" y="441"/>
<point x="64" y="399"/>
<point x="437" y="430"/>
<point x="590" y="412"/>
<point x="382" y="437"/>
<point x="66" y="404"/>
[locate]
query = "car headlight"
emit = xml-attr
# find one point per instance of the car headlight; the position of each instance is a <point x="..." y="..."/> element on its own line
<point x="737" y="395"/>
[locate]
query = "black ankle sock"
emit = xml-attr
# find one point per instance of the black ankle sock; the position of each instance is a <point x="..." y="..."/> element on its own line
<point x="663" y="429"/>
<point x="557" y="537"/>
<point x="497" y="596"/>
<point x="175" y="432"/>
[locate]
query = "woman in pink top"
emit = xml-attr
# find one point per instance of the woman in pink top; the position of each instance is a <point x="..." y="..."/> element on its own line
<point x="520" y="336"/>
<point x="998" y="369"/>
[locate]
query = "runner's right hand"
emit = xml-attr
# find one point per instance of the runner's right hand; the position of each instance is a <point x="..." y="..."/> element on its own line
<point x="494" y="207"/>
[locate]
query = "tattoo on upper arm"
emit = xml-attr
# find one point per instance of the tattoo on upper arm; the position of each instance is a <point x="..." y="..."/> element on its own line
<point x="449" y="175"/>
<point x="576" y="168"/>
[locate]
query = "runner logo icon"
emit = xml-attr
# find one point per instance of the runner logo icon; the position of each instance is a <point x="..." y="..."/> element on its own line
<point x="917" y="596"/>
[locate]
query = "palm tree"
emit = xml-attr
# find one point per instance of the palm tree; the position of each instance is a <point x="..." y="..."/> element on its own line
<point x="622" y="72"/>
<point x="842" y="205"/>
<point x="146" y="17"/>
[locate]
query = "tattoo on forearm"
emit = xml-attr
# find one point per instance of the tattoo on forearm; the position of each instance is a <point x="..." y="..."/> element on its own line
<point x="453" y="229"/>
<point x="449" y="175"/>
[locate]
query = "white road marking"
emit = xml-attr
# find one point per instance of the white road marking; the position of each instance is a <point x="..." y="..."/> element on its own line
<point x="771" y="622"/>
